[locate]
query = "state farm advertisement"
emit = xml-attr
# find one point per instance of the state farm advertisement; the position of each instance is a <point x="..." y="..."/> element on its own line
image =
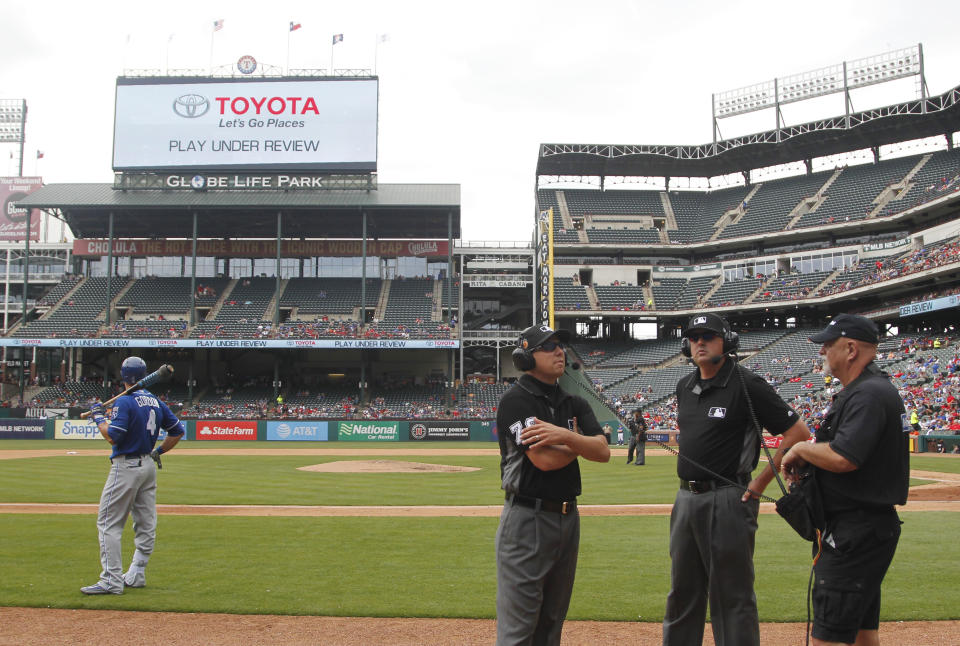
<point x="14" y="220"/>
<point x="160" y="123"/>
<point x="226" y="430"/>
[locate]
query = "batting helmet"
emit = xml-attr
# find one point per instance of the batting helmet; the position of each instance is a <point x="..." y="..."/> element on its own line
<point x="132" y="370"/>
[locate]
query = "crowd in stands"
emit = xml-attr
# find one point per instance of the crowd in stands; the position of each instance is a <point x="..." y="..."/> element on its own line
<point x="887" y="269"/>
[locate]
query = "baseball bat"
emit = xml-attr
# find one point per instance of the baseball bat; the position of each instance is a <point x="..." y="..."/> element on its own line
<point x="163" y="372"/>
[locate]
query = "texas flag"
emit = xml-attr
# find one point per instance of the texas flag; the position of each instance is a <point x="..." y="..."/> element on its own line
<point x="39" y="154"/>
<point x="337" y="38"/>
<point x="294" y="26"/>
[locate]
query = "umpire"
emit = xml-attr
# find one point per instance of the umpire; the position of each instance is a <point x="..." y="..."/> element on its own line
<point x="541" y="430"/>
<point x="638" y="438"/>
<point x="862" y="467"/>
<point x="131" y="486"/>
<point x="714" y="518"/>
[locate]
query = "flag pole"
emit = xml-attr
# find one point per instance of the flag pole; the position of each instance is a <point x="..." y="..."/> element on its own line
<point x="212" y="34"/>
<point x="289" y="31"/>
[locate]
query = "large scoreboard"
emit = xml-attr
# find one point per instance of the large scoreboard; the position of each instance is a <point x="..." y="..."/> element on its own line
<point x="318" y="124"/>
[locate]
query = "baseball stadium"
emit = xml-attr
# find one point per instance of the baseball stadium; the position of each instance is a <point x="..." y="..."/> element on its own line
<point x="337" y="352"/>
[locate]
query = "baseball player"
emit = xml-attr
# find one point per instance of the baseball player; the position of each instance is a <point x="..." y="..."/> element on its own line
<point x="542" y="431"/>
<point x="131" y="486"/>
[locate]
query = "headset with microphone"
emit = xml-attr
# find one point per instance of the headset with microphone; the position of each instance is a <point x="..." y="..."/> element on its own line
<point x="731" y="343"/>
<point x="522" y="355"/>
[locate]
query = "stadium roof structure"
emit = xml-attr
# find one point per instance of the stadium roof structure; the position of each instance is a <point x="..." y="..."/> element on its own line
<point x="394" y="211"/>
<point x="937" y="115"/>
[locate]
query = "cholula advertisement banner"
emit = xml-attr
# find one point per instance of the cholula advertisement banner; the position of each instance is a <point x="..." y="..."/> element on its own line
<point x="14" y="220"/>
<point x="368" y="431"/>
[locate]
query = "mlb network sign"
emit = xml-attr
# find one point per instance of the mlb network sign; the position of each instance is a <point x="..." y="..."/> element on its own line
<point x="226" y="430"/>
<point x="287" y="124"/>
<point x="75" y="429"/>
<point x="297" y="431"/>
<point x="368" y="431"/>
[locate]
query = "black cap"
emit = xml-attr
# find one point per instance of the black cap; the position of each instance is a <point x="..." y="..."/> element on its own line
<point x="850" y="326"/>
<point x="535" y="335"/>
<point x="710" y="322"/>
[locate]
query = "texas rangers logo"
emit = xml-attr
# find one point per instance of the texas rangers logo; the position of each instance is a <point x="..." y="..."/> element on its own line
<point x="247" y="65"/>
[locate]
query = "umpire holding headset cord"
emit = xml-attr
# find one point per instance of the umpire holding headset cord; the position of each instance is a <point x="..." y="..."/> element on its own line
<point x="131" y="486"/>
<point x="713" y="523"/>
<point x="862" y="467"/>
<point x="542" y="430"/>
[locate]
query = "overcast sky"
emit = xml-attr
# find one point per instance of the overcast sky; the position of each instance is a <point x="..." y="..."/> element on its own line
<point x="468" y="90"/>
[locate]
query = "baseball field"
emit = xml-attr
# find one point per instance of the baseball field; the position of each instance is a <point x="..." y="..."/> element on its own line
<point x="294" y="544"/>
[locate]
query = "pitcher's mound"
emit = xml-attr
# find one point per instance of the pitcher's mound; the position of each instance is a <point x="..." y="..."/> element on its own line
<point x="383" y="466"/>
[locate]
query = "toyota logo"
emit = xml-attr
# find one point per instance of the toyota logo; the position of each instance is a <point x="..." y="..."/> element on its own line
<point x="191" y="106"/>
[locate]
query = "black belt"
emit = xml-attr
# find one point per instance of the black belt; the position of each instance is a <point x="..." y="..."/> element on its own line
<point x="703" y="486"/>
<point x="558" y="506"/>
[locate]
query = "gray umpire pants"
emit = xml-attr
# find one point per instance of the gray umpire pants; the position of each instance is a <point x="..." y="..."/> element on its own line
<point x="711" y="548"/>
<point x="131" y="487"/>
<point x="536" y="564"/>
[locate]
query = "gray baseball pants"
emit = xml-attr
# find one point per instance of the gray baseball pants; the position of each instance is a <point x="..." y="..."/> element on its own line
<point x="536" y="564"/>
<point x="131" y="487"/>
<point x="711" y="548"/>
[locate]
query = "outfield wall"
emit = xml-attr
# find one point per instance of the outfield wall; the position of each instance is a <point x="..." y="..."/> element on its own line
<point x="301" y="430"/>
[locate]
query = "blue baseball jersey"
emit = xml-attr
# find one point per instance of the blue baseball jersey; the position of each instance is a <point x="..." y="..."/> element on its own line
<point x="136" y="421"/>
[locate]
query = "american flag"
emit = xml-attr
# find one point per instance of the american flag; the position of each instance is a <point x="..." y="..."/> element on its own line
<point x="218" y="24"/>
<point x="294" y="26"/>
<point x="337" y="38"/>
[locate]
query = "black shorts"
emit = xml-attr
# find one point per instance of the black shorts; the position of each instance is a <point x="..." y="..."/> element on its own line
<point x="857" y="550"/>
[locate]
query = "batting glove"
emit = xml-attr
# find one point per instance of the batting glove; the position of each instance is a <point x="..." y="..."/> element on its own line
<point x="97" y="413"/>
<point x="155" y="456"/>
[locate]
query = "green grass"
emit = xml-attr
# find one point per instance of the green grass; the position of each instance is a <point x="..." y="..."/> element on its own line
<point x="432" y="567"/>
<point x="424" y="567"/>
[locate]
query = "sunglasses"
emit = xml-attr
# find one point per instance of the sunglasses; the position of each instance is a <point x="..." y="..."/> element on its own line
<point x="706" y="336"/>
<point x="550" y="346"/>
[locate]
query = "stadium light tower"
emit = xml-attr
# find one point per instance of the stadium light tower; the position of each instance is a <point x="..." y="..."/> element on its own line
<point x="13" y="125"/>
<point x="842" y="77"/>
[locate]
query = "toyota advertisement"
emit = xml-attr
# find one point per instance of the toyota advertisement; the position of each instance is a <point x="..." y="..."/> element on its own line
<point x="14" y="221"/>
<point x="310" y="124"/>
<point x="226" y="430"/>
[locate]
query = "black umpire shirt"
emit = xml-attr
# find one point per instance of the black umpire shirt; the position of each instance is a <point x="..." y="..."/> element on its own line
<point x="530" y="398"/>
<point x="715" y="426"/>
<point x="867" y="425"/>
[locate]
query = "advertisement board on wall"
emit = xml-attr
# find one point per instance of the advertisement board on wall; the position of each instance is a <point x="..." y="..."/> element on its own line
<point x="439" y="431"/>
<point x="75" y="429"/>
<point x="226" y="430"/>
<point x="21" y="429"/>
<point x="297" y="431"/>
<point x="286" y="123"/>
<point x="98" y="248"/>
<point x="368" y="431"/>
<point x="14" y="220"/>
